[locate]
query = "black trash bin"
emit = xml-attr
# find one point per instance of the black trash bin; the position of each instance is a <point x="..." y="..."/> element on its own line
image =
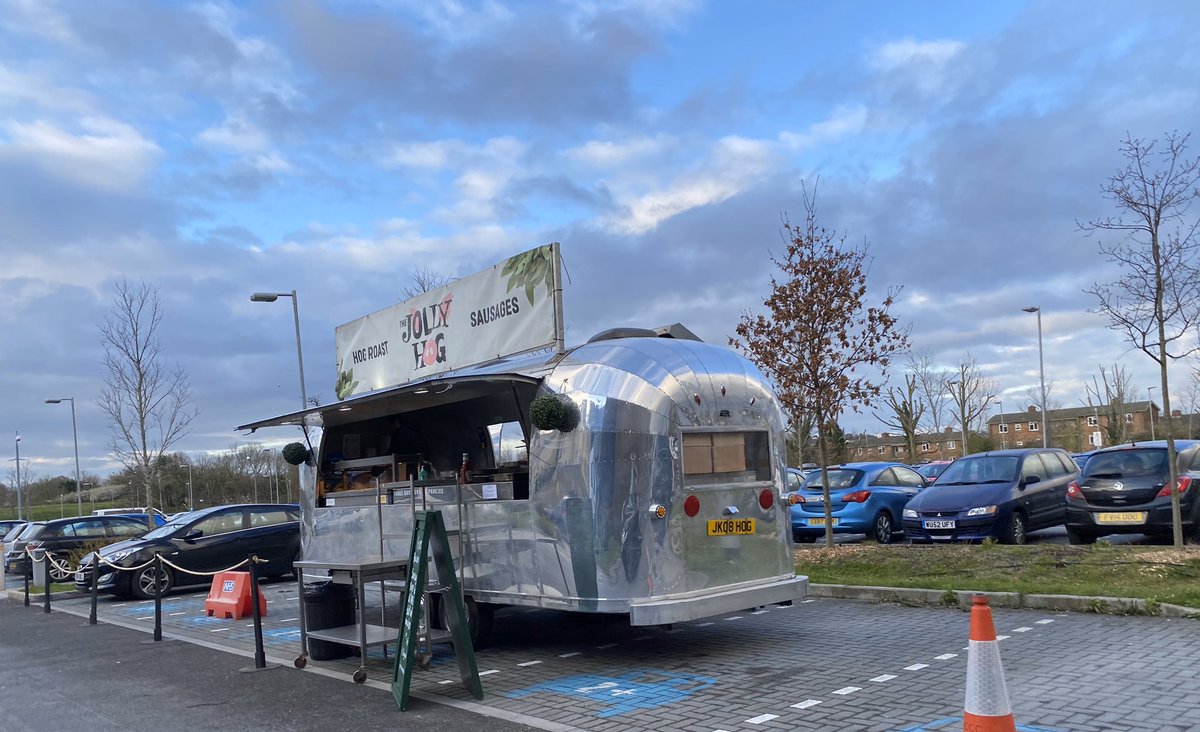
<point x="328" y="605"/>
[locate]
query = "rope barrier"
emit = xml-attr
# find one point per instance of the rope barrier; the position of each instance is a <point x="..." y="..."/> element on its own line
<point x="169" y="563"/>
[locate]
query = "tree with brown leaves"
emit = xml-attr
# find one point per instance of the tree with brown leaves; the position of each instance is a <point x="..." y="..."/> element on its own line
<point x="820" y="332"/>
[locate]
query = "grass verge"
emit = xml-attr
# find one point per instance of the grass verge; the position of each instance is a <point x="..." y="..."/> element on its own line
<point x="1156" y="574"/>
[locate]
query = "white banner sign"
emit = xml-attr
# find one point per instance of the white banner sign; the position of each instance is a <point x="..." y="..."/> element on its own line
<point x="505" y="309"/>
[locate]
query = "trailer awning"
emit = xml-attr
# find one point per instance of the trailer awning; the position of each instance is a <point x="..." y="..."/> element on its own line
<point x="463" y="385"/>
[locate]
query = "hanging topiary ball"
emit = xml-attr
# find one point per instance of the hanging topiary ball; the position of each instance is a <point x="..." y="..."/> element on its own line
<point x="547" y="412"/>
<point x="295" y="453"/>
<point x="571" y="416"/>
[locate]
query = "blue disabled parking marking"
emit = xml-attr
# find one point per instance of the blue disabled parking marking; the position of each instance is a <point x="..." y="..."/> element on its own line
<point x="949" y="723"/>
<point x="283" y="634"/>
<point x="643" y="689"/>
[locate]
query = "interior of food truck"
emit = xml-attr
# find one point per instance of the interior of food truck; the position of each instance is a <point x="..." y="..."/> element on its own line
<point x="470" y="431"/>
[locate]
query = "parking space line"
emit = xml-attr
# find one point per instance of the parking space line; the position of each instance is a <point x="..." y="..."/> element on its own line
<point x="846" y="690"/>
<point x="218" y="630"/>
<point x="806" y="704"/>
<point x="568" y="655"/>
<point x="762" y="718"/>
<point x="1043" y="622"/>
<point x="606" y="646"/>
<point x="148" y="617"/>
<point x="1003" y="637"/>
<point x="758" y="612"/>
<point x="489" y="672"/>
<point x="916" y="667"/>
<point x="174" y="614"/>
<point x="702" y="625"/>
<point x="734" y="617"/>
<point x="528" y="663"/>
<point x="882" y="678"/>
<point x="1023" y="629"/>
<point x="289" y="620"/>
<point x="447" y="681"/>
<point x="945" y="657"/>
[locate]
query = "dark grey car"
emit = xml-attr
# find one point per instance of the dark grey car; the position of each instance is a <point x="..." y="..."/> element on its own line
<point x="60" y="537"/>
<point x="1123" y="490"/>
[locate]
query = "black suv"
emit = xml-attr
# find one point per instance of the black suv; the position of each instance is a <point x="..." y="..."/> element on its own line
<point x="1123" y="490"/>
<point x="62" y="536"/>
<point x="197" y="544"/>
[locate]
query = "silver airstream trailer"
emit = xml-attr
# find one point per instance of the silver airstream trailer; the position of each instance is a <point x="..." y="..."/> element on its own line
<point x="662" y="502"/>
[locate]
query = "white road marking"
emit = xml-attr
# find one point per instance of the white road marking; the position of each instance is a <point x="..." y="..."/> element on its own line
<point x="762" y="718"/>
<point x="883" y="678"/>
<point x="809" y="600"/>
<point x="218" y="630"/>
<point x="735" y="617"/>
<point x="606" y="646"/>
<point x="758" y="612"/>
<point x="568" y="655"/>
<point x="289" y="620"/>
<point x="1043" y="622"/>
<point x="916" y="667"/>
<point x="701" y="625"/>
<point x="945" y="657"/>
<point x="447" y="681"/>
<point x="806" y="704"/>
<point x="1022" y="630"/>
<point x="1003" y="637"/>
<point x="528" y="663"/>
<point x="174" y="614"/>
<point x="489" y="673"/>
<point x="846" y="690"/>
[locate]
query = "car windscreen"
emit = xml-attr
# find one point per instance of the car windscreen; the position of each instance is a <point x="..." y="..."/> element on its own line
<point x="838" y="478"/>
<point x="14" y="532"/>
<point x="932" y="471"/>
<point x="169" y="528"/>
<point x="1127" y="463"/>
<point x="982" y="469"/>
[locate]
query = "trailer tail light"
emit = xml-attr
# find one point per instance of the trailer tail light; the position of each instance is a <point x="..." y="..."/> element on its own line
<point x="766" y="499"/>
<point x="691" y="506"/>
<point x="1184" y="482"/>
<point x="1074" y="492"/>
<point x="856" y="497"/>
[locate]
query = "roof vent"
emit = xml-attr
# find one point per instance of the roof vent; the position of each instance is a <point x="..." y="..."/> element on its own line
<point x="615" y="333"/>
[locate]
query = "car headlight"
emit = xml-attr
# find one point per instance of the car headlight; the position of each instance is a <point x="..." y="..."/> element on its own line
<point x="119" y="555"/>
<point x="982" y="511"/>
<point x="909" y="513"/>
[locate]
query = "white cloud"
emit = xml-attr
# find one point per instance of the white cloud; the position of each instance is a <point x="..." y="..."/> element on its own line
<point x="842" y="121"/>
<point x="236" y="133"/>
<point x="109" y="155"/>
<point x="608" y="154"/>
<point x="925" y="63"/>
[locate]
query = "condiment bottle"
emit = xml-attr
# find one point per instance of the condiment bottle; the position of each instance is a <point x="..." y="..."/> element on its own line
<point x="462" y="471"/>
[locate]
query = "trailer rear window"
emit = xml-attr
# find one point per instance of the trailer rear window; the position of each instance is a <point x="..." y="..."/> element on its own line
<point x="726" y="457"/>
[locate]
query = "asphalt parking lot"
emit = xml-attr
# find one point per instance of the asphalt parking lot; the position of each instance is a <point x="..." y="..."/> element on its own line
<point x="816" y="665"/>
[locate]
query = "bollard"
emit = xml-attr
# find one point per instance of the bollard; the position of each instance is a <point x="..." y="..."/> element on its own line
<point x="28" y="576"/>
<point x="46" y="557"/>
<point x="95" y="586"/>
<point x="158" y="583"/>
<point x="260" y="655"/>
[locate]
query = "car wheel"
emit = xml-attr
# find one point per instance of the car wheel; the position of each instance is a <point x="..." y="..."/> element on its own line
<point x="145" y="578"/>
<point x="60" y="568"/>
<point x="1079" y="537"/>
<point x="1016" y="529"/>
<point x="882" y="530"/>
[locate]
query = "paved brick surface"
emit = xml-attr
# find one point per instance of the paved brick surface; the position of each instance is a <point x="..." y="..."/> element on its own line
<point x="818" y="665"/>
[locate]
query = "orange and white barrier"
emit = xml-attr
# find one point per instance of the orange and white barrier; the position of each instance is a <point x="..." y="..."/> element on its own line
<point x="987" y="708"/>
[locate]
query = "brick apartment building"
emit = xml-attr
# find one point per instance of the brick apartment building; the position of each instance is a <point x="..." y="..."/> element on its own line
<point x="1077" y="429"/>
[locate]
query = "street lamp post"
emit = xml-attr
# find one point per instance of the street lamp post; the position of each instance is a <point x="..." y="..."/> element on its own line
<point x="191" y="495"/>
<point x="1041" y="367"/>
<point x="1150" y="408"/>
<point x="272" y="297"/>
<point x="75" y="436"/>
<point x="20" y="512"/>
<point x="274" y="475"/>
<point x="1003" y="426"/>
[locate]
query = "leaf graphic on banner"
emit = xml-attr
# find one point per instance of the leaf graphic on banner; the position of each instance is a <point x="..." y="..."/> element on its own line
<point x="528" y="270"/>
<point x="345" y="384"/>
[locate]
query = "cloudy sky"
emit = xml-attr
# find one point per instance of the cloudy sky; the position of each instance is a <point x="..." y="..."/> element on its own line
<point x="332" y="146"/>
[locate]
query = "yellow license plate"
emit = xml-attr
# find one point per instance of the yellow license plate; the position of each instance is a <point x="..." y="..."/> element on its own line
<point x="821" y="522"/>
<point x="1121" y="517"/>
<point x="730" y="527"/>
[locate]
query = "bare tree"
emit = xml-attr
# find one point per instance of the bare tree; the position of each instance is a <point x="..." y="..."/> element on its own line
<point x="1112" y="391"/>
<point x="931" y="388"/>
<point x="817" y="337"/>
<point x="1156" y="302"/>
<point x="149" y="406"/>
<point x="424" y="280"/>
<point x="972" y="392"/>
<point x="906" y="409"/>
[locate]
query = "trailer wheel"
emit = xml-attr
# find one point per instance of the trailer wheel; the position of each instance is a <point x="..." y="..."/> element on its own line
<point x="479" y="618"/>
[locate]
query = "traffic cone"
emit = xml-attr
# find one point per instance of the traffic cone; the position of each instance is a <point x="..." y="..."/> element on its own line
<point x="987" y="708"/>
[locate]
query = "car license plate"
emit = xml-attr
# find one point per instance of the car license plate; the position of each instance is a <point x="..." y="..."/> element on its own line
<point x="79" y="576"/>
<point x="821" y="522"/>
<point x="1121" y="517"/>
<point x="940" y="524"/>
<point x="730" y="527"/>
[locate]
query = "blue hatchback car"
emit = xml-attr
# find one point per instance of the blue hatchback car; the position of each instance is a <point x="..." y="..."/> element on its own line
<point x="864" y="498"/>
